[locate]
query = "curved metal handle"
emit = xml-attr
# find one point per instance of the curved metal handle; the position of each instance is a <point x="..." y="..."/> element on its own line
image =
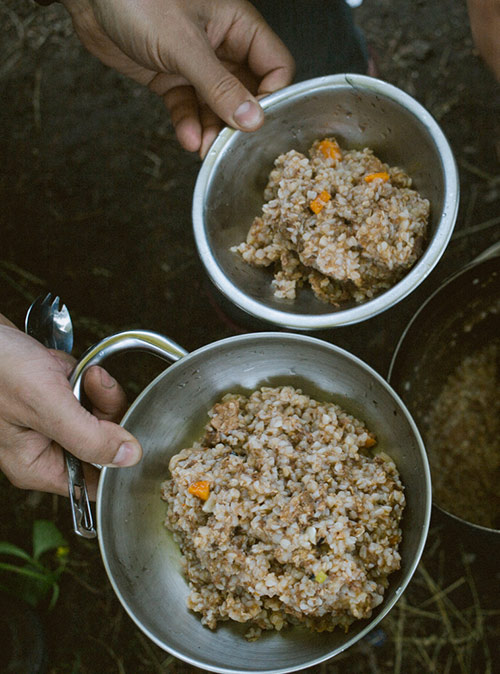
<point x="144" y="340"/>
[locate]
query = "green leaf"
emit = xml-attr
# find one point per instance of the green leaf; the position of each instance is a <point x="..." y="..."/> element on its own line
<point x="55" y="596"/>
<point x="46" y="536"/>
<point x="25" y="571"/>
<point x="32" y="590"/>
<point x="11" y="549"/>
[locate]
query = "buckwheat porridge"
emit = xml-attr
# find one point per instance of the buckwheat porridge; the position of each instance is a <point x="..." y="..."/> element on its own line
<point x="284" y="514"/>
<point x="463" y="436"/>
<point x="344" y="222"/>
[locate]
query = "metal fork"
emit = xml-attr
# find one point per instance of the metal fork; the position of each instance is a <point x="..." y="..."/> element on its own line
<point x="52" y="326"/>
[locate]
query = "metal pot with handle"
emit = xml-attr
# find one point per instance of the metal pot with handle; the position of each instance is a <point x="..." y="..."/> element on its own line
<point x="142" y="560"/>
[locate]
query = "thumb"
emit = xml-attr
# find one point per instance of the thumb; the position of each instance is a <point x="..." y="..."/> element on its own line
<point x="61" y="418"/>
<point x="105" y="394"/>
<point x="223" y="92"/>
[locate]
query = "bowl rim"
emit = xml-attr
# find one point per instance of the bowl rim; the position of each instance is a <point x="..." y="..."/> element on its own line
<point x="404" y="580"/>
<point x="369" y="309"/>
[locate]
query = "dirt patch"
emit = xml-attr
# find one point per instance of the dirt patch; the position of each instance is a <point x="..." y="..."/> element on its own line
<point x="96" y="206"/>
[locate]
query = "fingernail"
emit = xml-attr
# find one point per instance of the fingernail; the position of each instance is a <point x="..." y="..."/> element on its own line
<point x="248" y="115"/>
<point x="107" y="380"/>
<point x="128" y="454"/>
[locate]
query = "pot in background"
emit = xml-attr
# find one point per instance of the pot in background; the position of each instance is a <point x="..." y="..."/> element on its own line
<point x="361" y="112"/>
<point x="459" y="318"/>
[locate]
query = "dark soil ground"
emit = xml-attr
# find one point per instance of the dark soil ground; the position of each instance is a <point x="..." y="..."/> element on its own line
<point x="96" y="199"/>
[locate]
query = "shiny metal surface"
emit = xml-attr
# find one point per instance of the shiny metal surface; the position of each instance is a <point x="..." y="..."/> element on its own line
<point x="141" y="559"/>
<point x="142" y="340"/>
<point x="360" y="111"/>
<point x="83" y="523"/>
<point x="52" y="326"/>
<point x="459" y="318"/>
<point x="49" y="324"/>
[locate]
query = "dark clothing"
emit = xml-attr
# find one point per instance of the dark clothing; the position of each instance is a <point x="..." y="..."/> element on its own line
<point x="320" y="34"/>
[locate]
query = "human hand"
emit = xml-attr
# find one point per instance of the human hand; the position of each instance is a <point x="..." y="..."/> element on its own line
<point x="39" y="414"/>
<point x="484" y="16"/>
<point x="209" y="60"/>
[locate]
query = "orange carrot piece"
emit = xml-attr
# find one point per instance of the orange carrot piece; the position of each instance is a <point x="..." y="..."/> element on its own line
<point x="330" y="149"/>
<point x="200" y="489"/>
<point x="318" y="204"/>
<point x="370" y="442"/>
<point x="382" y="175"/>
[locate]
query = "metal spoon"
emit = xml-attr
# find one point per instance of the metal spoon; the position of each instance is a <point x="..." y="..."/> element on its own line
<point x="52" y="326"/>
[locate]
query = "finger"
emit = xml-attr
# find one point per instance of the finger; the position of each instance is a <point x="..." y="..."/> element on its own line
<point x="41" y="466"/>
<point x="265" y="55"/>
<point x="271" y="61"/>
<point x="183" y="106"/>
<point x="209" y="135"/>
<point x="105" y="394"/>
<point x="211" y="125"/>
<point x="56" y="413"/>
<point x="220" y="89"/>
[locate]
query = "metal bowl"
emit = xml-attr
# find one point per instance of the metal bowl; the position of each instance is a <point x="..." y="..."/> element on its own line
<point x="143" y="562"/>
<point x="459" y="318"/>
<point x="360" y="111"/>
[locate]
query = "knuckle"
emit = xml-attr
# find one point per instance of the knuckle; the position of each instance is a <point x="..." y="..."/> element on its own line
<point x="225" y="87"/>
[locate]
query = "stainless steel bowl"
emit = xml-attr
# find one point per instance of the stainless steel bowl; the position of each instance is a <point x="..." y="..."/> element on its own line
<point x="360" y="111"/>
<point x="142" y="561"/>
<point x="459" y="318"/>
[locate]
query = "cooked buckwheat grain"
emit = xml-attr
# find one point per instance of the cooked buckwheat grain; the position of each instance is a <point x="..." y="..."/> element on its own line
<point x="284" y="514"/>
<point x="342" y="221"/>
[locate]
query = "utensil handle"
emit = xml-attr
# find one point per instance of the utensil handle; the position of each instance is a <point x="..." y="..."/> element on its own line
<point x="144" y="340"/>
<point x="83" y="523"/>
